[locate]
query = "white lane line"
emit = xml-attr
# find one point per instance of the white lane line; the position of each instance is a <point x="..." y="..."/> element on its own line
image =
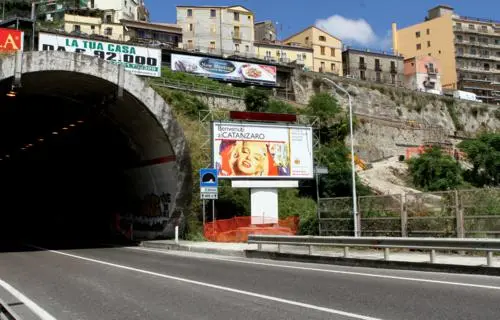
<point x="214" y="286"/>
<point x="471" y="285"/>
<point x="41" y="313"/>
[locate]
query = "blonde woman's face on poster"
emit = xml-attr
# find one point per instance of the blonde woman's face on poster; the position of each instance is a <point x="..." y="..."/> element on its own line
<point x="249" y="158"/>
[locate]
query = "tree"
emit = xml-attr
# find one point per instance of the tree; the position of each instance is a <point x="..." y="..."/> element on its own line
<point x="484" y="154"/>
<point x="434" y="171"/>
<point x="256" y="100"/>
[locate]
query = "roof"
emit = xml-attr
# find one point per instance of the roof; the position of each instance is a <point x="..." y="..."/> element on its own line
<point x="281" y="45"/>
<point x="373" y="52"/>
<point x="215" y="7"/>
<point x="310" y="27"/>
<point x="166" y="27"/>
<point x="444" y="6"/>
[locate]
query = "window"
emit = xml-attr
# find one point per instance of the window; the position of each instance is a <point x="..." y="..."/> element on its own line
<point x="322" y="38"/>
<point x="498" y="66"/>
<point x="471" y="27"/>
<point x="322" y="50"/>
<point x="332" y="52"/>
<point x="417" y="34"/>
<point x="428" y="31"/>
<point x="92" y="4"/>
<point x="332" y="67"/>
<point x="189" y="12"/>
<point x="213" y="13"/>
<point x="484" y="28"/>
<point x="460" y="38"/>
<point x="459" y="25"/>
<point x="108" y="18"/>
<point x="212" y="46"/>
<point x="362" y="75"/>
<point x="393" y="78"/>
<point x="236" y="16"/>
<point x="236" y="32"/>
<point x="377" y="64"/>
<point x="428" y="44"/>
<point x="108" y="31"/>
<point x="378" y="77"/>
<point x="236" y="47"/>
<point x="473" y="51"/>
<point x="472" y="39"/>
<point x="486" y="67"/>
<point x="322" y="68"/>
<point x="439" y="51"/>
<point x="419" y="46"/>
<point x="190" y="44"/>
<point x="393" y="65"/>
<point x="92" y="28"/>
<point x="191" y="27"/>
<point x="498" y="53"/>
<point x="247" y="48"/>
<point x="249" y="18"/>
<point x="77" y="28"/>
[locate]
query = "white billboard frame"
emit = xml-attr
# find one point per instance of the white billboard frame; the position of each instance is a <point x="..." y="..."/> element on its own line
<point x="140" y="58"/>
<point x="289" y="127"/>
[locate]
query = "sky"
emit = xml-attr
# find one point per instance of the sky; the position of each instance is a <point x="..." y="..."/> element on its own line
<point x="360" y="23"/>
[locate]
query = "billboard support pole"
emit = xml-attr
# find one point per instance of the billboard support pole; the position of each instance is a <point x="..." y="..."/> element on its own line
<point x="213" y="216"/>
<point x="203" y="210"/>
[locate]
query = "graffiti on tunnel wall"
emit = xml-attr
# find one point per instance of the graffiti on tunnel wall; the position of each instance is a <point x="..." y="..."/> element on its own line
<point x="152" y="190"/>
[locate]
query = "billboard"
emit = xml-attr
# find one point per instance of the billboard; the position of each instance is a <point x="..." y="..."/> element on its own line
<point x="141" y="61"/>
<point x="225" y="69"/>
<point x="257" y="151"/>
<point x="11" y="40"/>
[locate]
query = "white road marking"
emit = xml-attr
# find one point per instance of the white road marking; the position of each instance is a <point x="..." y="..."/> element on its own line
<point x="471" y="285"/>
<point x="223" y="288"/>
<point x="44" y="315"/>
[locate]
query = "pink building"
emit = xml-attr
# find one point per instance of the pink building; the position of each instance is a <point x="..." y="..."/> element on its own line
<point x="422" y="74"/>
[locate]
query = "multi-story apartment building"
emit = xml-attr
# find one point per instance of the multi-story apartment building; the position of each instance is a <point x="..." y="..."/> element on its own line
<point x="265" y="31"/>
<point x="124" y="9"/>
<point x="327" y="49"/>
<point x="225" y="30"/>
<point x="283" y="53"/>
<point x="468" y="48"/>
<point x="423" y="74"/>
<point x="372" y="65"/>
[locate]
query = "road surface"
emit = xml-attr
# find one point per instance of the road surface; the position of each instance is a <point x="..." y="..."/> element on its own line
<point x="138" y="283"/>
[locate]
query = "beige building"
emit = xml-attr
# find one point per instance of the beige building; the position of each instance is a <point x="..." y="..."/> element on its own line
<point x="327" y="49"/>
<point x="227" y="30"/>
<point x="372" y="65"/>
<point x="281" y="53"/>
<point x="94" y="23"/>
<point x="468" y="49"/>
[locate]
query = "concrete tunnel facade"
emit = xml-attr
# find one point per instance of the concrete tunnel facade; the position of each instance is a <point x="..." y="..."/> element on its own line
<point x="162" y="179"/>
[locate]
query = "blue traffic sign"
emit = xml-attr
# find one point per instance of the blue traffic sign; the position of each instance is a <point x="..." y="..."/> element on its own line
<point x="208" y="178"/>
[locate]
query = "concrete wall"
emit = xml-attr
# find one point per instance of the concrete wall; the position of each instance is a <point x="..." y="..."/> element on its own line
<point x="142" y="114"/>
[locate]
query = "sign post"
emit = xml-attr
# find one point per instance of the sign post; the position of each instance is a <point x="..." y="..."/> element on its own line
<point x="319" y="171"/>
<point x="209" y="184"/>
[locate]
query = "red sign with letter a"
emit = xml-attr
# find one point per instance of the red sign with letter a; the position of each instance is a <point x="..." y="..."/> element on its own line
<point x="11" y="40"/>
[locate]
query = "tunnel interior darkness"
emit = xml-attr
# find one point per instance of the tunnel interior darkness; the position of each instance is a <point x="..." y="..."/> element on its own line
<point x="62" y="160"/>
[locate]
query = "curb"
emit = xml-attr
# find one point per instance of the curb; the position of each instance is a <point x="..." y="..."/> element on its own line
<point x="179" y="247"/>
<point x="368" y="263"/>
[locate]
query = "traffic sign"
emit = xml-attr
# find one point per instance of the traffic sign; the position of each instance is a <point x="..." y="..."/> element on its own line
<point x="208" y="178"/>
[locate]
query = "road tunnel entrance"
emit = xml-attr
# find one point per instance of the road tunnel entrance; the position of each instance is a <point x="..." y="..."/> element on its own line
<point x="79" y="163"/>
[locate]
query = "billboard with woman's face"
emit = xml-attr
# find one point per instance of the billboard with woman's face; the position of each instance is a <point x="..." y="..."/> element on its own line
<point x="249" y="150"/>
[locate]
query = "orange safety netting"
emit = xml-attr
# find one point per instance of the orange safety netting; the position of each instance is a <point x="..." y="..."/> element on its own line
<point x="237" y="229"/>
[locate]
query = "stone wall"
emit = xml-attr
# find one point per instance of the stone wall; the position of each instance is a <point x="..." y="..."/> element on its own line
<point x="221" y="102"/>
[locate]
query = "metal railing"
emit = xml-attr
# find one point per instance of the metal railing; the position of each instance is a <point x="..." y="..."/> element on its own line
<point x="6" y="313"/>
<point x="489" y="246"/>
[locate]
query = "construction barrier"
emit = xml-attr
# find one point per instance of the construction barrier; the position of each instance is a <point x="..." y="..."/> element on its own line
<point x="237" y="229"/>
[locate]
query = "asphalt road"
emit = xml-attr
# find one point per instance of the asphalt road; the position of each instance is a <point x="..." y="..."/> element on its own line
<point x="135" y="283"/>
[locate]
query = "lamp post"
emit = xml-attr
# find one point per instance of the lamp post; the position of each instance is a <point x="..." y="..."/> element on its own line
<point x="353" y="168"/>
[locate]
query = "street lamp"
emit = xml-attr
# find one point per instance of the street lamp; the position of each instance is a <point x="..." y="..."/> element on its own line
<point x="353" y="168"/>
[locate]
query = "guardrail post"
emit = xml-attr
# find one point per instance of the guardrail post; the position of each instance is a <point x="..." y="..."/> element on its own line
<point x="279" y="248"/>
<point x="459" y="216"/>
<point x="386" y="254"/>
<point x="433" y="256"/>
<point x="310" y="249"/>
<point x="346" y="252"/>
<point x="404" y="217"/>
<point x="489" y="258"/>
<point x="259" y="247"/>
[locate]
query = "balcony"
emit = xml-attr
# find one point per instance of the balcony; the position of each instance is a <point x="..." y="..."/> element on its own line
<point x="236" y="35"/>
<point x="475" y="30"/>
<point x="362" y="66"/>
<point x="394" y="69"/>
<point x="378" y="67"/>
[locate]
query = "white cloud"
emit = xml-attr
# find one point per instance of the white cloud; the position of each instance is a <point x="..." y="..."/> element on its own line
<point x="352" y="31"/>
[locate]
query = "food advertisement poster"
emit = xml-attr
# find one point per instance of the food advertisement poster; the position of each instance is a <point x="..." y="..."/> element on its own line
<point x="141" y="61"/>
<point x="249" y="150"/>
<point x="225" y="69"/>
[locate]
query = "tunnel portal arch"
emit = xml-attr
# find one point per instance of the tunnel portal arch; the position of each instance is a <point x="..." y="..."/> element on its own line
<point x="163" y="176"/>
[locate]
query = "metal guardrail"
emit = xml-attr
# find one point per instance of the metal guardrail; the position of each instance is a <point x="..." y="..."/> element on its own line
<point x="6" y="313"/>
<point x="431" y="244"/>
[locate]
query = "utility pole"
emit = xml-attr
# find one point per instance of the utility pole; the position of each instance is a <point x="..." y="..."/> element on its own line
<point x="3" y="11"/>
<point x="33" y="21"/>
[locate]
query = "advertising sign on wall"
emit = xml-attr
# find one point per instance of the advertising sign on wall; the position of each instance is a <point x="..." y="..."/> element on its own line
<point x="11" y="40"/>
<point x="225" y="69"/>
<point x="138" y="60"/>
<point x="250" y="151"/>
